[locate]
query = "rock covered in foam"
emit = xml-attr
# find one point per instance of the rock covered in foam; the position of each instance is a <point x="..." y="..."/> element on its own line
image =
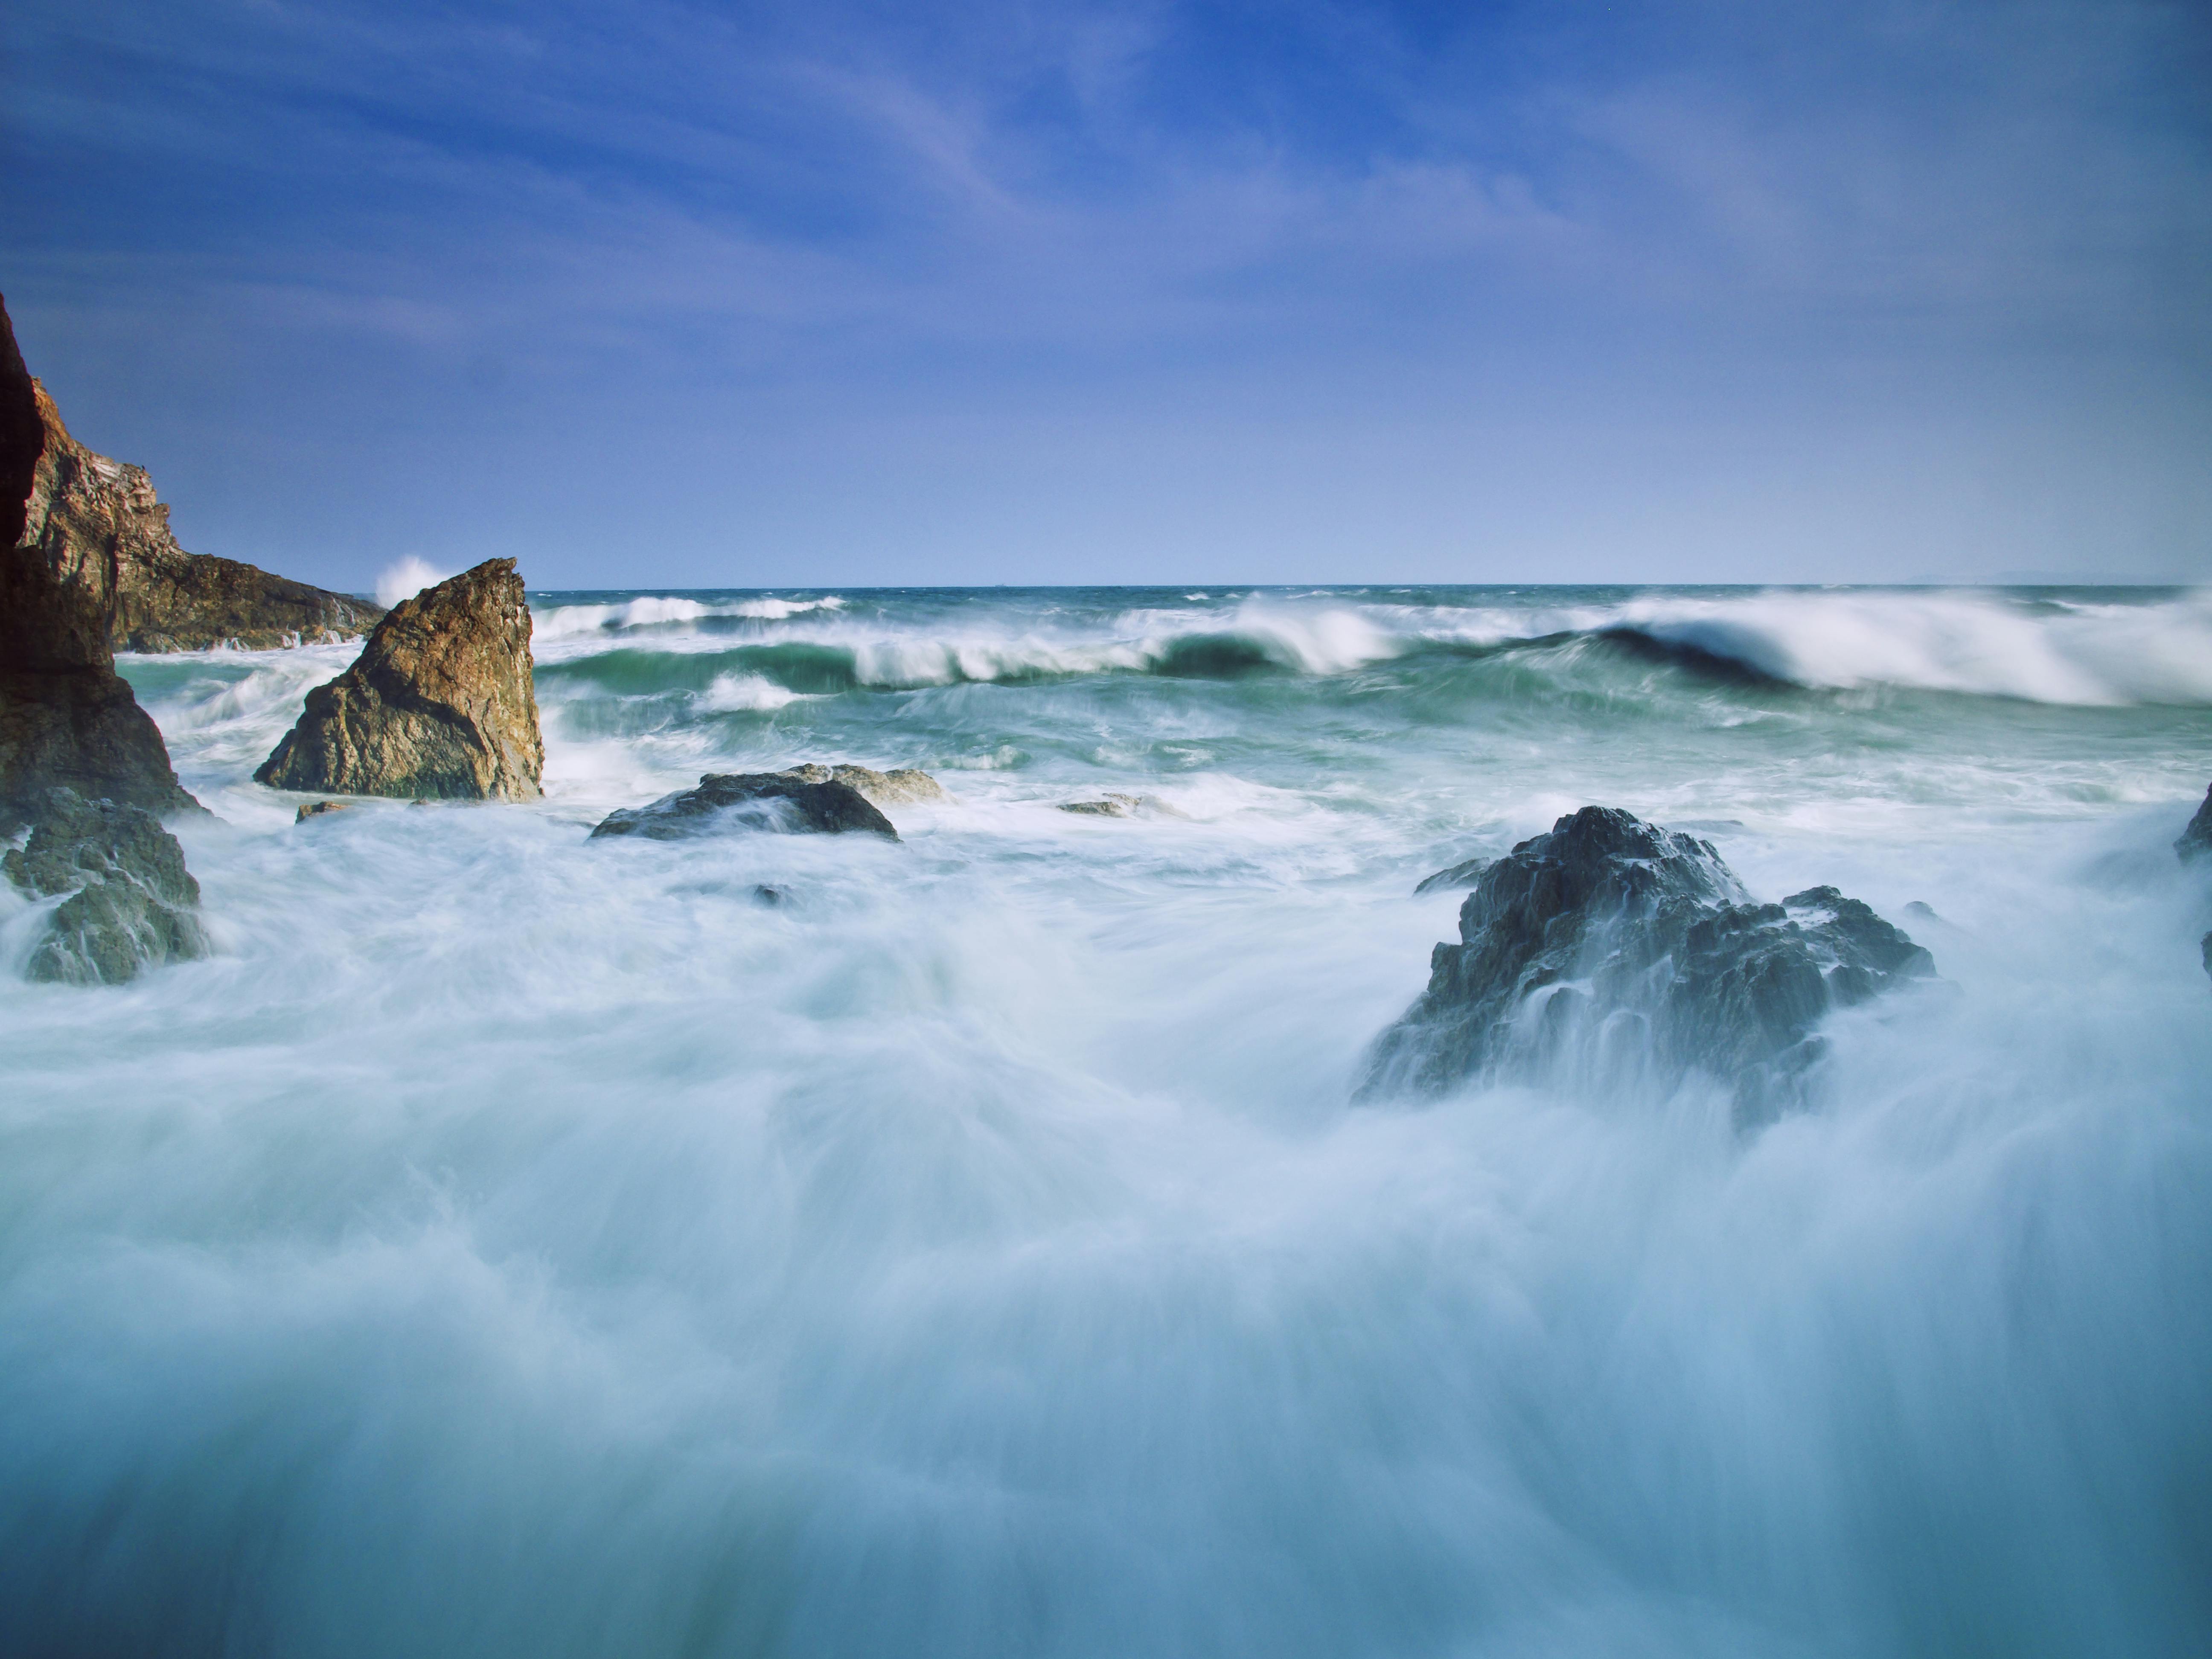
<point x="782" y="802"/>
<point x="438" y="704"/>
<point x="1610" y="944"/>
<point x="132" y="903"/>
<point x="902" y="787"/>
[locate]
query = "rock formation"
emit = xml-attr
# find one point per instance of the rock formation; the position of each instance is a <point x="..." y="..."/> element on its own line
<point x="439" y="703"/>
<point x="100" y="521"/>
<point x="133" y="904"/>
<point x="2195" y="840"/>
<point x="1111" y="805"/>
<point x="905" y="787"/>
<point x="67" y="718"/>
<point x="1611" y="948"/>
<point x="1459" y="875"/>
<point x="778" y="801"/>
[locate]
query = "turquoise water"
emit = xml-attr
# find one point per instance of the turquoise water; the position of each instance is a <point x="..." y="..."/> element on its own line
<point x="510" y="1243"/>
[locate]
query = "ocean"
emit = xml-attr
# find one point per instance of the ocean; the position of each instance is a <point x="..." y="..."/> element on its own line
<point x="512" y="1243"/>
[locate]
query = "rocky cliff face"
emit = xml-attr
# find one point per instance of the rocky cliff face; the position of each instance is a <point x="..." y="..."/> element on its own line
<point x="439" y="703"/>
<point x="1611" y="946"/>
<point x="67" y="718"/>
<point x="98" y="523"/>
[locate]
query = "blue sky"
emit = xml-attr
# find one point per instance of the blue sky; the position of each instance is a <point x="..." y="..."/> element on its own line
<point x="834" y="295"/>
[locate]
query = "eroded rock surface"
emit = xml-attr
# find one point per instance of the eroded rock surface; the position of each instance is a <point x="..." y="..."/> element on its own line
<point x="67" y="718"/>
<point x="100" y="521"/>
<point x="1459" y="875"/>
<point x="133" y="904"/>
<point x="438" y="704"/>
<point x="1610" y="949"/>
<point x="780" y="802"/>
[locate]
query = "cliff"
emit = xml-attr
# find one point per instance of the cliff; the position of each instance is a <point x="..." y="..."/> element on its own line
<point x="67" y="718"/>
<point x="98" y="523"/>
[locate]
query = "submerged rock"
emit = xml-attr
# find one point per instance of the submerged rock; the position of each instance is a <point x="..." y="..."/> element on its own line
<point x="1460" y="875"/>
<point x="100" y="521"/>
<point x="776" y="801"/>
<point x="1111" y="805"/>
<point x="2195" y="840"/>
<point x="1610" y="947"/>
<point x="67" y="718"/>
<point x="316" y="809"/>
<point x="439" y="703"/>
<point x="132" y="903"/>
<point x="904" y="786"/>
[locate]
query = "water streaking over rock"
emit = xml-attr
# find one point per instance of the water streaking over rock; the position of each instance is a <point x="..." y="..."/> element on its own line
<point x="507" y="1242"/>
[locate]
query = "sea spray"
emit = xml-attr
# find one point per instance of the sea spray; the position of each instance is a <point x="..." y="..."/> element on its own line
<point x="511" y="1243"/>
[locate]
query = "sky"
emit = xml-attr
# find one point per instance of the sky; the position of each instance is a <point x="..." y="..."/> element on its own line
<point x="839" y="295"/>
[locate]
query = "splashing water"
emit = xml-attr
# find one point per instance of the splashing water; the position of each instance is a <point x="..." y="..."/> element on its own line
<point x="514" y="1244"/>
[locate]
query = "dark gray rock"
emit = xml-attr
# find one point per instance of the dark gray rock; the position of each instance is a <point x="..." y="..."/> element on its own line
<point x="1611" y="949"/>
<point x="754" y="800"/>
<point x="1460" y="875"/>
<point x="133" y="904"/>
<point x="2195" y="840"/>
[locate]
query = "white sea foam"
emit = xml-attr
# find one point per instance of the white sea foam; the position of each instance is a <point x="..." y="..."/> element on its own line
<point x="975" y="1254"/>
<point x="733" y="693"/>
<point x="405" y="579"/>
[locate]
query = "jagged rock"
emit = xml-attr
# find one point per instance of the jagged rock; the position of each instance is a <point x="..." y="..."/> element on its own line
<point x="2195" y="840"/>
<point x="101" y="521"/>
<point x="756" y="800"/>
<point x="131" y="900"/>
<point x="67" y="718"/>
<point x="1112" y="805"/>
<point x="439" y="703"/>
<point x="1460" y="875"/>
<point x="1610" y="948"/>
<point x="316" y="809"/>
<point x="905" y="787"/>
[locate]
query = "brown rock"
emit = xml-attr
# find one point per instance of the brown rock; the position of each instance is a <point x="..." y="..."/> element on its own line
<point x="67" y="718"/>
<point x="438" y="704"/>
<point x="316" y="809"/>
<point x="100" y="521"/>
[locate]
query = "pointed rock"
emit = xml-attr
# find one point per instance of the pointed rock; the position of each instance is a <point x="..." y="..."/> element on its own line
<point x="439" y="703"/>
<point x="67" y="718"/>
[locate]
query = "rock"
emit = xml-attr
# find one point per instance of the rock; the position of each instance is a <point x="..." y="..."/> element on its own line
<point x="774" y="801"/>
<point x="2196" y="839"/>
<point x="101" y="521"/>
<point x="1460" y="875"/>
<point x="315" y="809"/>
<point x="133" y="904"/>
<point x="439" y="703"/>
<point x="1111" y="805"/>
<point x="1610" y="947"/>
<point x="67" y="718"/>
<point x="905" y="787"/>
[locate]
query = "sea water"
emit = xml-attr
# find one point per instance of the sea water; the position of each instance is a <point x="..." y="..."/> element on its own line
<point x="511" y="1244"/>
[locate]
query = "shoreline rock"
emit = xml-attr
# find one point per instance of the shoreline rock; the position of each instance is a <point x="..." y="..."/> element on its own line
<point x="132" y="903"/>
<point x="439" y="704"/>
<point x="100" y="521"/>
<point x="779" y="802"/>
<point x="67" y="718"/>
<point x="2195" y="840"/>
<point x="1610" y="945"/>
<point x="900" y="787"/>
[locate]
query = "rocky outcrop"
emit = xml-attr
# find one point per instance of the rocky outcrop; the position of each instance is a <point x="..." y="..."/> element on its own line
<point x="782" y="802"/>
<point x="1112" y="805"/>
<point x="132" y="903"/>
<point x="100" y="521"/>
<point x="1610" y="949"/>
<point x="438" y="704"/>
<point x="903" y="788"/>
<point x="1459" y="875"/>
<point x="2195" y="840"/>
<point x="67" y="718"/>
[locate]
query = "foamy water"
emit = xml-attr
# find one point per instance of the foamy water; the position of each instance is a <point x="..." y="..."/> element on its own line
<point x="511" y="1243"/>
